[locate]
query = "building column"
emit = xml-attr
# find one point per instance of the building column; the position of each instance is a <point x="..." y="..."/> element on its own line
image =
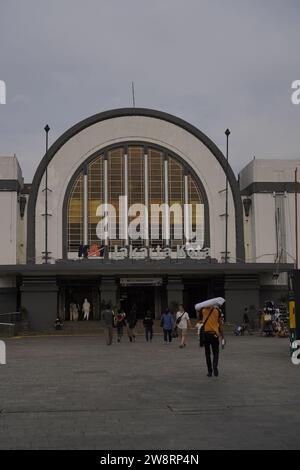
<point x="63" y="314"/>
<point x="39" y="296"/>
<point x="108" y="292"/>
<point x="166" y="217"/>
<point x="175" y="292"/>
<point x="158" y="302"/>
<point x="241" y="290"/>
<point x="8" y="295"/>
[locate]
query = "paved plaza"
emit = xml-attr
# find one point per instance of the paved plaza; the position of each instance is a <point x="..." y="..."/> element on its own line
<point x="78" y="393"/>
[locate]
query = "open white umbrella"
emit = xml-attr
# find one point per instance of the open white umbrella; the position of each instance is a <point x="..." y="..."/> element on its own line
<point x="210" y="303"/>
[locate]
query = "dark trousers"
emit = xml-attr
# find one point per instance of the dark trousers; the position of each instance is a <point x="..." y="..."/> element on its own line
<point x="119" y="330"/>
<point x="149" y="333"/>
<point x="246" y="327"/>
<point x="108" y="332"/>
<point x="168" y="335"/>
<point x="211" y="344"/>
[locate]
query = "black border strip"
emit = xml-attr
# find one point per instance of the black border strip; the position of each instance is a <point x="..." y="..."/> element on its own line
<point x="10" y="185"/>
<point x="271" y="187"/>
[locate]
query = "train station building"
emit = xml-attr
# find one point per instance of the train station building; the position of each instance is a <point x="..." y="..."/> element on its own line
<point x="129" y="207"/>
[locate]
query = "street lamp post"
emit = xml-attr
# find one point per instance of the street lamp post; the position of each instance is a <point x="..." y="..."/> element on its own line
<point x="227" y="133"/>
<point x="46" y="257"/>
<point x="296" y="215"/>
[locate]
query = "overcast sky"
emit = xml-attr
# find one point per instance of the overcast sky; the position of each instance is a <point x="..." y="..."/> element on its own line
<point x="214" y="63"/>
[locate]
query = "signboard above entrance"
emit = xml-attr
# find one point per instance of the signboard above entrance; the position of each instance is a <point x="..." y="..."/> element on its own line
<point x="152" y="281"/>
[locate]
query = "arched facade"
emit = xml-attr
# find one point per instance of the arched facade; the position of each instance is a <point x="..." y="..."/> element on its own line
<point x="150" y="129"/>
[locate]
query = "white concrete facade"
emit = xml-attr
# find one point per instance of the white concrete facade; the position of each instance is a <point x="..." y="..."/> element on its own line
<point x="11" y="178"/>
<point x="260" y="231"/>
<point x="274" y="178"/>
<point x="125" y="129"/>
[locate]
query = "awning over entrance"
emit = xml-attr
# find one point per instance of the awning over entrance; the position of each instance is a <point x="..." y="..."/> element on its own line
<point x="142" y="268"/>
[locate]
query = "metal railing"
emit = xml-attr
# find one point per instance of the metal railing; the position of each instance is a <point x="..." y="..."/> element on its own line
<point x="11" y="317"/>
<point x="9" y="324"/>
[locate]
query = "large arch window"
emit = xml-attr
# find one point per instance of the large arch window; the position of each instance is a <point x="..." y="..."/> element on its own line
<point x="75" y="215"/>
<point x="142" y="174"/>
<point x="115" y="181"/>
<point x="95" y="197"/>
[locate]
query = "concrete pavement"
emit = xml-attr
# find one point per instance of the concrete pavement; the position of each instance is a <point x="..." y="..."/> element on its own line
<point x="78" y="393"/>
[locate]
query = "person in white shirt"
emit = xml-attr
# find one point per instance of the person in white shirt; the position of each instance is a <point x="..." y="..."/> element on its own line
<point x="86" y="307"/>
<point x="183" y="323"/>
<point x="73" y="312"/>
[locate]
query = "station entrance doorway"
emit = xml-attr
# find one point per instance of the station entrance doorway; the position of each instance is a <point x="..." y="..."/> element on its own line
<point x="142" y="295"/>
<point x="76" y="291"/>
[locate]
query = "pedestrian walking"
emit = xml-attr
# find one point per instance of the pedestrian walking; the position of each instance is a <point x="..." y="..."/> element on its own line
<point x="183" y="322"/>
<point x="108" y="323"/>
<point x="246" y="323"/>
<point x="131" y="321"/>
<point x="120" y="322"/>
<point x="86" y="308"/>
<point x="148" y="325"/>
<point x="268" y="324"/>
<point x="212" y="331"/>
<point x="167" y="323"/>
<point x="261" y="322"/>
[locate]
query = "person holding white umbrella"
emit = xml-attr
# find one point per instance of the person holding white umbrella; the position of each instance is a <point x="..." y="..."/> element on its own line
<point x="211" y="331"/>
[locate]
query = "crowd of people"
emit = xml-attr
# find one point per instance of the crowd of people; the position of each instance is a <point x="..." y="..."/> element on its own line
<point x="76" y="310"/>
<point x="176" y="325"/>
<point x="173" y="326"/>
<point x="272" y="322"/>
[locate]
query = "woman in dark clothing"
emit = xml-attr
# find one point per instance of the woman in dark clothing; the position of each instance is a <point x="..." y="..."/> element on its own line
<point x="246" y="323"/>
<point x="148" y="325"/>
<point x="120" y="323"/>
<point x="131" y="322"/>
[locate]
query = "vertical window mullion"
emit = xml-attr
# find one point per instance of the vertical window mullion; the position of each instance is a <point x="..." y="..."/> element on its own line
<point x="106" y="190"/>
<point x="146" y="179"/>
<point x="166" y="221"/>
<point x="126" y="196"/>
<point x="187" y="219"/>
<point x="85" y="207"/>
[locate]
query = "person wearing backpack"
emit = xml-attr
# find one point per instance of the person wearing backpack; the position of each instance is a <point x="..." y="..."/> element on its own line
<point x="182" y="323"/>
<point x="108" y="324"/>
<point x="211" y="332"/>
<point x="167" y="324"/>
<point x="131" y="321"/>
<point x="120" y="322"/>
<point x="148" y="325"/>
